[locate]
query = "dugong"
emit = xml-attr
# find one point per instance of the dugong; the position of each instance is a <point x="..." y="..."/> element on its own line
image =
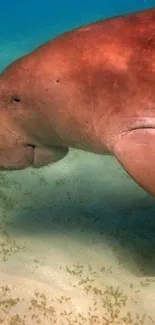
<point x="93" y="89"/>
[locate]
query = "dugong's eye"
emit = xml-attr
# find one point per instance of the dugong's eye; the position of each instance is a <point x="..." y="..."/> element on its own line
<point x="15" y="99"/>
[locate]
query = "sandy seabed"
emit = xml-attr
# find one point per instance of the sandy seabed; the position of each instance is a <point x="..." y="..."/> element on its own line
<point x="77" y="245"/>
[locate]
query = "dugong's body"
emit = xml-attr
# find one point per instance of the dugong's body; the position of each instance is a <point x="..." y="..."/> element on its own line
<point x="92" y="88"/>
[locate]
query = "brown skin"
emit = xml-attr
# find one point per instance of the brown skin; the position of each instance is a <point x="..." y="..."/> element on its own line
<point x="92" y="88"/>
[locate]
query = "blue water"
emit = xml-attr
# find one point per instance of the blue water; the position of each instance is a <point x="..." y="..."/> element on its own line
<point x="85" y="209"/>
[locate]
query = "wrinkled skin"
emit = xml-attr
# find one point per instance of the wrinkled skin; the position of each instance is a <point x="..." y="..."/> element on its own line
<point x="92" y="88"/>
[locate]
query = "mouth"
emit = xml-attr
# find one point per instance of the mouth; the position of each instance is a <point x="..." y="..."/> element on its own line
<point x="29" y="155"/>
<point x="45" y="156"/>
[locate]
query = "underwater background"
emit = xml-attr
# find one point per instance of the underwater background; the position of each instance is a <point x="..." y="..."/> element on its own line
<point x="77" y="239"/>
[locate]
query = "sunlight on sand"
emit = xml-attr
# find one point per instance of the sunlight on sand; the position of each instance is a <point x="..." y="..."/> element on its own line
<point x="76" y="245"/>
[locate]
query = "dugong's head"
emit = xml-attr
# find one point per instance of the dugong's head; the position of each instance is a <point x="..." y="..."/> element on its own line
<point x="21" y="124"/>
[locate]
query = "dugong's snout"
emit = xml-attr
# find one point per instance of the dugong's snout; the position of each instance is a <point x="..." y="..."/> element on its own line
<point x="16" y="157"/>
<point x="136" y="153"/>
<point x="43" y="157"/>
<point x="23" y="156"/>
